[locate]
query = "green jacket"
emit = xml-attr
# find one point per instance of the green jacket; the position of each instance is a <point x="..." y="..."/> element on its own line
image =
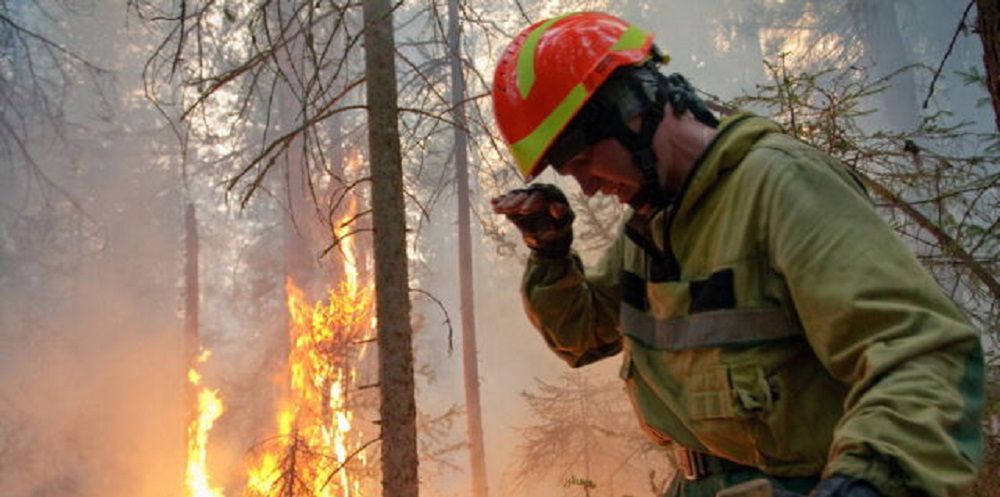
<point x="784" y="326"/>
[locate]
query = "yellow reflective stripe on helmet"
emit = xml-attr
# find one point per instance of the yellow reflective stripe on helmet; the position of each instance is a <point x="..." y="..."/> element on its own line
<point x="528" y="150"/>
<point x="632" y="38"/>
<point x="526" y="57"/>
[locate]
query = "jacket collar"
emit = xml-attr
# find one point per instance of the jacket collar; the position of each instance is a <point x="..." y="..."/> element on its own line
<point x="737" y="135"/>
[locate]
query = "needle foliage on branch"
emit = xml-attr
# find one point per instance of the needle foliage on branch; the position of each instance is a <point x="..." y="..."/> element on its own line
<point x="938" y="185"/>
<point x="584" y="440"/>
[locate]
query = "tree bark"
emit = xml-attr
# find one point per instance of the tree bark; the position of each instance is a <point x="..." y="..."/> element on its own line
<point x="191" y="291"/>
<point x="299" y="225"/>
<point x="474" y="416"/>
<point x="191" y="339"/>
<point x="988" y="27"/>
<point x="395" y="350"/>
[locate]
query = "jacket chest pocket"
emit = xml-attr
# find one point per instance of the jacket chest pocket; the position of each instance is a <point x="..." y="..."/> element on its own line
<point x="725" y="405"/>
<point x="728" y="391"/>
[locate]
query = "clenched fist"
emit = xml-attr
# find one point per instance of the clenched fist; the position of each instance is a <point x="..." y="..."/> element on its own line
<point x="542" y="214"/>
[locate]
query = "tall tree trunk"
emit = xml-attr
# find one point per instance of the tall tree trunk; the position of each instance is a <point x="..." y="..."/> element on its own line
<point x="191" y="299"/>
<point x="879" y="31"/>
<point x="474" y="416"/>
<point x="395" y="342"/>
<point x="298" y="226"/>
<point x="191" y="296"/>
<point x="988" y="27"/>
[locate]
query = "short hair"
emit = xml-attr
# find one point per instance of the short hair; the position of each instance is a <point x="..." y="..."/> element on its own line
<point x="631" y="90"/>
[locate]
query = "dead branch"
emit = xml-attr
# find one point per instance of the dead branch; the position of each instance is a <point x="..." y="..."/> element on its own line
<point x="444" y="311"/>
<point x="951" y="45"/>
<point x="348" y="459"/>
<point x="946" y="242"/>
<point x="52" y="45"/>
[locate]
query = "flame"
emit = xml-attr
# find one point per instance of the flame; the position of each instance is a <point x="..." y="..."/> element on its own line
<point x="318" y="450"/>
<point x="341" y="230"/>
<point x="316" y="421"/>
<point x="209" y="409"/>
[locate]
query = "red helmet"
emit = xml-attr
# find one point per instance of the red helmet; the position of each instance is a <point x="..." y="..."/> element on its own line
<point x="550" y="70"/>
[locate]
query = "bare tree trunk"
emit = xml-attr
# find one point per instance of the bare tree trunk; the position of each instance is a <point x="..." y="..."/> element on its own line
<point x="395" y="342"/>
<point x="298" y="224"/>
<point x="190" y="289"/>
<point x="191" y="298"/>
<point x="988" y="27"/>
<point x="474" y="416"/>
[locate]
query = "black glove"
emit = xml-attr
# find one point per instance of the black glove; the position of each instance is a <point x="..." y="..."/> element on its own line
<point x="844" y="486"/>
<point x="834" y="486"/>
<point x="545" y="231"/>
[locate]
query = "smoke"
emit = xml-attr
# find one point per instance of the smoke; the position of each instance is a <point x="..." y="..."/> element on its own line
<point x="94" y="413"/>
<point x="90" y="384"/>
<point x="91" y="375"/>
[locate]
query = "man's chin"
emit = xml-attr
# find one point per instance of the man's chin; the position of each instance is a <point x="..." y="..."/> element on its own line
<point x="643" y="210"/>
<point x="638" y="204"/>
<point x="645" y="201"/>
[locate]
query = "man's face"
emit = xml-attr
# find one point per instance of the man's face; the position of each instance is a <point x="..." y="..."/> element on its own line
<point x="605" y="167"/>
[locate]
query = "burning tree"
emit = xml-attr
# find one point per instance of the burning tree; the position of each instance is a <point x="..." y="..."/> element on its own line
<point x="319" y="450"/>
<point x="207" y="408"/>
<point x="320" y="445"/>
<point x="274" y="79"/>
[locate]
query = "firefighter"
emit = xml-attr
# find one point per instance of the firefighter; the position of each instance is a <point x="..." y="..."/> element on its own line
<point x="773" y="326"/>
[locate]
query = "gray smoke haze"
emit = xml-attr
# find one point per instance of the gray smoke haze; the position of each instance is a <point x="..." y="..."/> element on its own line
<point x="91" y="369"/>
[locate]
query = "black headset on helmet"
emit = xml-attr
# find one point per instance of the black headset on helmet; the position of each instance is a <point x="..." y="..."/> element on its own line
<point x="628" y="92"/>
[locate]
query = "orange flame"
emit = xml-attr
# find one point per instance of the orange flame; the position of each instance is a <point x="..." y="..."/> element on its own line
<point x="341" y="230"/>
<point x="315" y="422"/>
<point x="318" y="450"/>
<point x="318" y="447"/>
<point x="209" y="410"/>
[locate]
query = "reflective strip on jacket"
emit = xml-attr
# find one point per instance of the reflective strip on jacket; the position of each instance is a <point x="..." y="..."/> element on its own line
<point x="785" y="326"/>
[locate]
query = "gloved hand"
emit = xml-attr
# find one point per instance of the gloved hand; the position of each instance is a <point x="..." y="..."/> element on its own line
<point x="834" y="486"/>
<point x="543" y="215"/>
<point x="844" y="486"/>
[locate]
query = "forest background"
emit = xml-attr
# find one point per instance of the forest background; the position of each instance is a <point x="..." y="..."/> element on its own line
<point x="167" y="165"/>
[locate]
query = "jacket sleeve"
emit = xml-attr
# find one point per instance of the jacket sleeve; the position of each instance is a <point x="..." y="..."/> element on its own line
<point x="881" y="325"/>
<point x="576" y="311"/>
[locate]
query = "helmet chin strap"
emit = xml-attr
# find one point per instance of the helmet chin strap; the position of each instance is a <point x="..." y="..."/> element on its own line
<point x="650" y="193"/>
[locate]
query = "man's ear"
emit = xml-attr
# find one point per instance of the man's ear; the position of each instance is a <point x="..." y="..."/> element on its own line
<point x="635" y="122"/>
